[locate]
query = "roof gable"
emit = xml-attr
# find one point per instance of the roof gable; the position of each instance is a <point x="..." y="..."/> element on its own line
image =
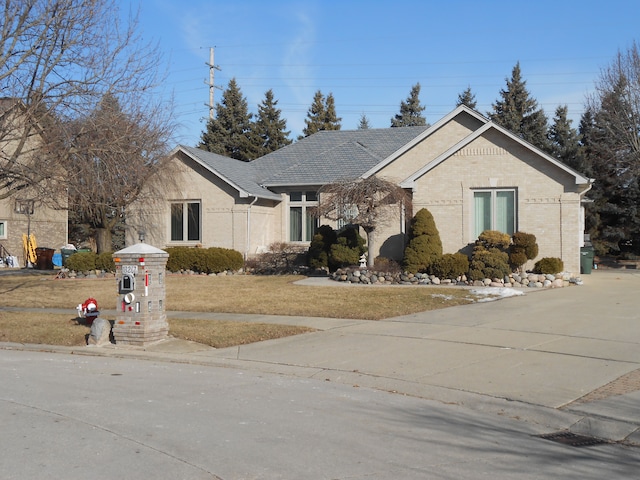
<point x="460" y="110"/>
<point x="409" y="181"/>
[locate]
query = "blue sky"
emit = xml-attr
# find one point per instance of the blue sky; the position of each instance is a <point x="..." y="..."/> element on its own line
<point x="369" y="54"/>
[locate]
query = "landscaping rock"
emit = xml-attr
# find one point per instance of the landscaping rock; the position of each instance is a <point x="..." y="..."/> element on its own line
<point x="100" y="332"/>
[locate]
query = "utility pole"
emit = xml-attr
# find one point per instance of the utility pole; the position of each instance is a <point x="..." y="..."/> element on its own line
<point x="212" y="68"/>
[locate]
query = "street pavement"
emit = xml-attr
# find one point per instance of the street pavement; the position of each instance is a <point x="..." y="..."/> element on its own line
<point x="559" y="359"/>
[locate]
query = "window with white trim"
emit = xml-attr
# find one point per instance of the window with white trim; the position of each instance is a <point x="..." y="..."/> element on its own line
<point x="186" y="221"/>
<point x="3" y="229"/>
<point x="302" y="224"/>
<point x="494" y="209"/>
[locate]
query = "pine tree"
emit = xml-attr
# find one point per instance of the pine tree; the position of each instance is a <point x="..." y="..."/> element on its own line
<point x="518" y="112"/>
<point x="467" y="98"/>
<point x="269" y="129"/>
<point x="614" y="216"/>
<point x="364" y="123"/>
<point x="230" y="132"/>
<point x="586" y="132"/>
<point x="321" y="115"/>
<point x="410" y="111"/>
<point x="563" y="139"/>
<point x="331" y="119"/>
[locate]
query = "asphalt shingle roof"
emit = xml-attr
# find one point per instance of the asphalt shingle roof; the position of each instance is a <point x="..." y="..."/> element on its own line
<point x="331" y="155"/>
<point x="235" y="172"/>
<point x="318" y="159"/>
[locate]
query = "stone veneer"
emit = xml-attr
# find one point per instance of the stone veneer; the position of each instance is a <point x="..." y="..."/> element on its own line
<point x="141" y="317"/>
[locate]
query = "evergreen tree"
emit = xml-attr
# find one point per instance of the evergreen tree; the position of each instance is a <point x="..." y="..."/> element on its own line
<point x="364" y="123"/>
<point x="518" y="112"/>
<point x="410" y="111"/>
<point x="563" y="139"/>
<point x="331" y="119"/>
<point x="230" y="133"/>
<point x="586" y="132"/>
<point x="321" y="115"/>
<point x="467" y="98"/>
<point x="269" y="129"/>
<point x="614" y="217"/>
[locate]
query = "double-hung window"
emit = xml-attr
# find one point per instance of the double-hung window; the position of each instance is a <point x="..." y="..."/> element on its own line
<point x="494" y="209"/>
<point x="185" y="221"/>
<point x="3" y="229"/>
<point x="302" y="224"/>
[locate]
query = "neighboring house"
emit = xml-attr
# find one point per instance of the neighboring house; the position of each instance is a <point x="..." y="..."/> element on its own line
<point x="22" y="212"/>
<point x="470" y="173"/>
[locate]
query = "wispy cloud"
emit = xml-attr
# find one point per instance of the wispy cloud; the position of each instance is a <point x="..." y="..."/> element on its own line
<point x="296" y="70"/>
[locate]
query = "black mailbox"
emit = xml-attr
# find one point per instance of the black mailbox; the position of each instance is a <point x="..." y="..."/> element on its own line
<point x="127" y="283"/>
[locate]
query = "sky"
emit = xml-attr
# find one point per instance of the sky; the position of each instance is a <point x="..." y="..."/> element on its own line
<point x="369" y="54"/>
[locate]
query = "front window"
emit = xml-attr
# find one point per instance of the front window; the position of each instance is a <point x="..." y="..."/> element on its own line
<point x="185" y="221"/>
<point x="494" y="210"/>
<point x="302" y="224"/>
<point x="25" y="207"/>
<point x="3" y="229"/>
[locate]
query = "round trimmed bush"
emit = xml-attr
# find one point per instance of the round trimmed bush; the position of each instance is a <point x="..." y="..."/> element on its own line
<point x="450" y="265"/>
<point x="549" y="265"/>
<point x="491" y="263"/>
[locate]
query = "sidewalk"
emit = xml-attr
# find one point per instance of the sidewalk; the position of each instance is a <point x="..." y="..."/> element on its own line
<point x="562" y="359"/>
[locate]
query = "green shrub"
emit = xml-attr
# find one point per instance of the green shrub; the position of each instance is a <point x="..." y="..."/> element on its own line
<point x="82" y="261"/>
<point x="233" y="259"/>
<point x="104" y="261"/>
<point x="424" y="243"/>
<point x="342" y="255"/>
<point x="204" y="260"/>
<point x="347" y="249"/>
<point x="450" y="265"/>
<point x="492" y="263"/>
<point x="549" y="265"/>
<point x="523" y="248"/>
<point x="493" y="239"/>
<point x="179" y="258"/>
<point x="320" y="247"/>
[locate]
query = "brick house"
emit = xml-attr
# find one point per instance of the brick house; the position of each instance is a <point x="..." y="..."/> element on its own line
<point x="469" y="172"/>
<point x="22" y="211"/>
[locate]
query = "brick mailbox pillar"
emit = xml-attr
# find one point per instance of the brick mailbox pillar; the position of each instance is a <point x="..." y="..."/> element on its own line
<point x="140" y="275"/>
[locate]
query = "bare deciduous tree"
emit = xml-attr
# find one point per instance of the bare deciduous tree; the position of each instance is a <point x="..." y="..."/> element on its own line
<point x="370" y="203"/>
<point x="59" y="59"/>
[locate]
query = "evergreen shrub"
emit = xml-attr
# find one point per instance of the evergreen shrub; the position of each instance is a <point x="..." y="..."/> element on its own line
<point x="492" y="263"/>
<point x="450" y="265"/>
<point x="204" y="260"/>
<point x="549" y="265"/>
<point x="333" y="250"/>
<point x="493" y="239"/>
<point x="523" y="248"/>
<point x="82" y="261"/>
<point x="347" y="250"/>
<point x="424" y="245"/>
<point x="320" y="247"/>
<point x="104" y="261"/>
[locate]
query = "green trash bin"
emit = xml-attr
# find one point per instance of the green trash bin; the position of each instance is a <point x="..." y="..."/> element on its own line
<point x="66" y="253"/>
<point x="586" y="259"/>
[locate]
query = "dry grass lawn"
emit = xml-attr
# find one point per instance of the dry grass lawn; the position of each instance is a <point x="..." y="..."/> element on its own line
<point x="269" y="295"/>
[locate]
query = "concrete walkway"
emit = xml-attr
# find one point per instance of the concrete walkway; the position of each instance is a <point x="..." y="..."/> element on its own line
<point x="563" y="358"/>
